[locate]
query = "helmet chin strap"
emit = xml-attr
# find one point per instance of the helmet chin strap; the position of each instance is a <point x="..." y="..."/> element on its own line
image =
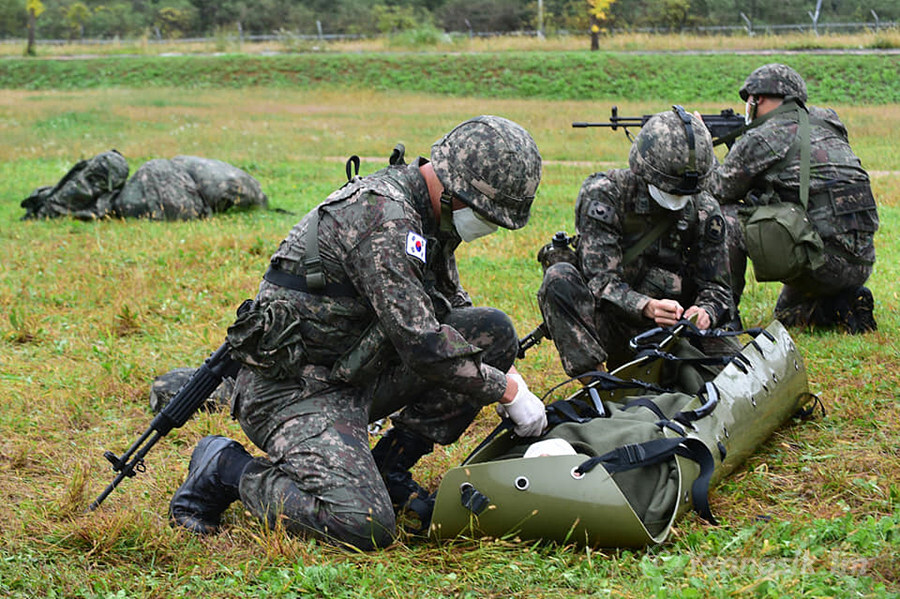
<point x="690" y="178"/>
<point x="446" y="211"/>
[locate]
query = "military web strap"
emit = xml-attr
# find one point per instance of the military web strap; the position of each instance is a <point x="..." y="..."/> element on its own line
<point x="644" y="242"/>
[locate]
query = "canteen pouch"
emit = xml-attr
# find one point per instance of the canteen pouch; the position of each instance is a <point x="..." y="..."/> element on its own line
<point x="782" y="242"/>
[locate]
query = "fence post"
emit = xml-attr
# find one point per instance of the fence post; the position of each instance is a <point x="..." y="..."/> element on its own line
<point x="815" y="17"/>
<point x="749" y="26"/>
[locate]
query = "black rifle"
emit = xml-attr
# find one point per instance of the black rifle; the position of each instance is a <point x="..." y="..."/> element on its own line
<point x="724" y="127"/>
<point x="532" y="339"/>
<point x="177" y="412"/>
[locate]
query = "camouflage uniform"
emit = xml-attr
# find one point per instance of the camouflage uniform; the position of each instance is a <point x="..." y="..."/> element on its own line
<point x="186" y="188"/>
<point x="86" y="192"/>
<point x="323" y="365"/>
<point x="594" y="308"/>
<point x="841" y="208"/>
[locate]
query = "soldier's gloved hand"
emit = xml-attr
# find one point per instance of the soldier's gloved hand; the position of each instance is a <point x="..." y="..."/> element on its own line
<point x="526" y="410"/>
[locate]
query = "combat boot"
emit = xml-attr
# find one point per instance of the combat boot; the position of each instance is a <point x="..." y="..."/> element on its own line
<point x="211" y="485"/>
<point x="863" y="307"/>
<point x="803" y="314"/>
<point x="395" y="453"/>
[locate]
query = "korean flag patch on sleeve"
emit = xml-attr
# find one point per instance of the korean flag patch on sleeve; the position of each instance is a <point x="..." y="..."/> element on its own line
<point x="415" y="246"/>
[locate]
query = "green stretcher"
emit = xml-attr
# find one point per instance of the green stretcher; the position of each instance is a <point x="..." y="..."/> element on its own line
<point x="625" y="462"/>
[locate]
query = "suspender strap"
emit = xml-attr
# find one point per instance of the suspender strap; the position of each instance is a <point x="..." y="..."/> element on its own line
<point x="315" y="275"/>
<point x="290" y="281"/>
<point x="804" y="156"/>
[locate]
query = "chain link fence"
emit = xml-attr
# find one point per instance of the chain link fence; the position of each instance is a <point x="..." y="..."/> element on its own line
<point x="749" y="28"/>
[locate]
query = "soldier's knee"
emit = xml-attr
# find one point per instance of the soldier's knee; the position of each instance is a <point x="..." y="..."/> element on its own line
<point x="503" y="341"/>
<point x="364" y="531"/>
<point x="559" y="281"/>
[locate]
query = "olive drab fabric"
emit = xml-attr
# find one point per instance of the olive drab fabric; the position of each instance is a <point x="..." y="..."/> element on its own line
<point x="594" y="307"/>
<point x="763" y="167"/>
<point x="86" y="192"/>
<point x="183" y="188"/>
<point x="782" y="242"/>
<point x="637" y="464"/>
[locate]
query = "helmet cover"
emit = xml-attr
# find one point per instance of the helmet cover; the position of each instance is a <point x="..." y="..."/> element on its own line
<point x="673" y="152"/>
<point x="492" y="165"/>
<point x="774" y="80"/>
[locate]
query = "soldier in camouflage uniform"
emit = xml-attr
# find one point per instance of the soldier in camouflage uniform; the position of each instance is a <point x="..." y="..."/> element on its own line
<point x="764" y="165"/>
<point x="359" y="316"/>
<point x="650" y="250"/>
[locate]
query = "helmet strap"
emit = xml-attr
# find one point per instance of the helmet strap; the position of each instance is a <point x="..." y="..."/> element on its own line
<point x="690" y="178"/>
<point x="446" y="211"/>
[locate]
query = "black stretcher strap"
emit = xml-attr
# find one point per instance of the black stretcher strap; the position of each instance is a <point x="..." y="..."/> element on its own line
<point x="648" y="453"/>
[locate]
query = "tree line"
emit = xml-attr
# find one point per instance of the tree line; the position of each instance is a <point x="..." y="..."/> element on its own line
<point x="173" y="19"/>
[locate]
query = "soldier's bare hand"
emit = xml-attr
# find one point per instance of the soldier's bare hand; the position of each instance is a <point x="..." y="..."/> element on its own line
<point x="664" y="312"/>
<point x="703" y="321"/>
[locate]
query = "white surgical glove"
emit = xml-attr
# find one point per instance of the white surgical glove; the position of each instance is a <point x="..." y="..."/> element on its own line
<point x="526" y="410"/>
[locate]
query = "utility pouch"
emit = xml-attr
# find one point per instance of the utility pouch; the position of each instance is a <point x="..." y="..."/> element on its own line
<point x="269" y="339"/>
<point x="368" y="356"/>
<point x="782" y="242"/>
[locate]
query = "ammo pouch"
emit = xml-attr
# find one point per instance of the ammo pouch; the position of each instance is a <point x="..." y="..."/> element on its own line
<point x="269" y="339"/>
<point x="838" y="214"/>
<point x="782" y="242"/>
<point x="638" y="457"/>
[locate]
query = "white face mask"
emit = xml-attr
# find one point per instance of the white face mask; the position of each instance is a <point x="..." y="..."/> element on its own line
<point x="749" y="110"/>
<point x="470" y="225"/>
<point x="669" y="201"/>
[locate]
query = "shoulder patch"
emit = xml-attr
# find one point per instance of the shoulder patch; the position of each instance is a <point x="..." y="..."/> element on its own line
<point x="715" y="228"/>
<point x="602" y="212"/>
<point x="415" y="246"/>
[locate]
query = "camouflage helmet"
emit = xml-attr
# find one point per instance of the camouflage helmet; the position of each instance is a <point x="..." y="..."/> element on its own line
<point x="673" y="152"/>
<point x="774" y="80"/>
<point x="492" y="165"/>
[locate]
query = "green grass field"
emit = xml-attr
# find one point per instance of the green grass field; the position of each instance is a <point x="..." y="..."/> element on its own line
<point x="91" y="312"/>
